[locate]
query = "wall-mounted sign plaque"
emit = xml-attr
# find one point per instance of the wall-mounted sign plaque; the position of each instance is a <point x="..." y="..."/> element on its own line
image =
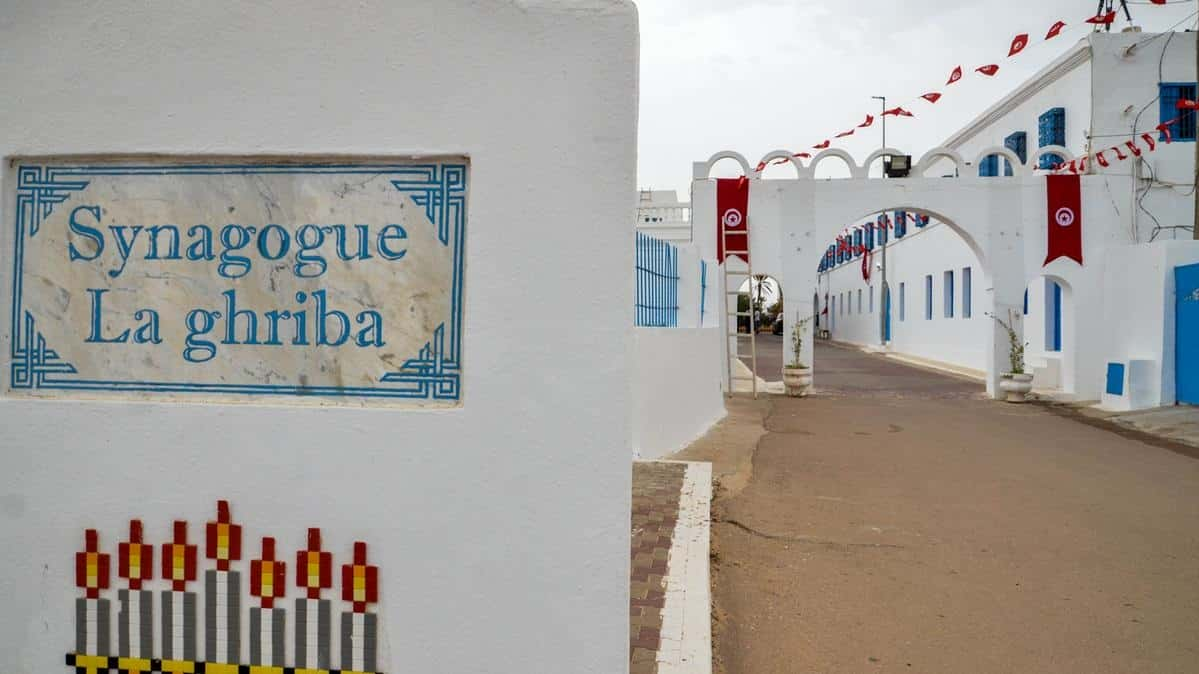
<point x="314" y="281"/>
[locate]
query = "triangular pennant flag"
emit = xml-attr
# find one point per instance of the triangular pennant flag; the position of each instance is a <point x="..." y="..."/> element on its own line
<point x="844" y="134"/>
<point x="761" y="167"/>
<point x="822" y="146"/>
<point x="1132" y="147"/>
<point x="1119" y="155"/>
<point x="1018" y="44"/>
<point x="1055" y="30"/>
<point x="1105" y="19"/>
<point x="1164" y="127"/>
<point x="782" y="160"/>
<point x="932" y="97"/>
<point x="1148" y="138"/>
<point x="868" y="122"/>
<point x="802" y="155"/>
<point x="955" y="75"/>
<point x="1101" y="159"/>
<point x="898" y="112"/>
<point x="988" y="70"/>
<point x="1185" y="104"/>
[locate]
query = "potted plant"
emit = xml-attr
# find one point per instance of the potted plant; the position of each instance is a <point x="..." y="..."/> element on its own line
<point x="797" y="376"/>
<point x="1015" y="383"/>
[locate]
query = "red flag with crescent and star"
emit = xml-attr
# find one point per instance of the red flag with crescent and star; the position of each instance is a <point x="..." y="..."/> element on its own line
<point x="732" y="210"/>
<point x="1018" y="44"/>
<point x="868" y="122"/>
<point x="1055" y="30"/>
<point x="1065" y="217"/>
<point x="931" y="97"/>
<point x="955" y="75"/>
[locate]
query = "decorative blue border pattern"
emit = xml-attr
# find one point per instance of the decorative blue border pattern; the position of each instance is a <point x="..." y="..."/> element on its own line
<point x="435" y="373"/>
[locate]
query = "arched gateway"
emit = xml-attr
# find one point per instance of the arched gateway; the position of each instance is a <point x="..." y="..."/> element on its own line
<point x="1002" y="219"/>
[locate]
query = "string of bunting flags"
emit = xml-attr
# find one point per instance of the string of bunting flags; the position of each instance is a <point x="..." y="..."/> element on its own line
<point x="1079" y="165"/>
<point x="1018" y="44"/>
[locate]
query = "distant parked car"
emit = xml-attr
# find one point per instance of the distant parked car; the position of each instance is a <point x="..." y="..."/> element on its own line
<point x="777" y="329"/>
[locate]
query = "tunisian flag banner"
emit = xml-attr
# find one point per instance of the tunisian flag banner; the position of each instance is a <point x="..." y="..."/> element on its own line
<point x="1065" y="217"/>
<point x="732" y="208"/>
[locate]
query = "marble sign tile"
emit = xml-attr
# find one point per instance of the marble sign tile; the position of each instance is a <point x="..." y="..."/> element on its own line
<point x="313" y="282"/>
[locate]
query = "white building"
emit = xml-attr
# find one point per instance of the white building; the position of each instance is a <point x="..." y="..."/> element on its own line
<point x="661" y="215"/>
<point x="1105" y="90"/>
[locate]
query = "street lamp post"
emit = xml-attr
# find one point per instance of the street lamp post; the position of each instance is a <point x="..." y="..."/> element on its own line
<point x="885" y="296"/>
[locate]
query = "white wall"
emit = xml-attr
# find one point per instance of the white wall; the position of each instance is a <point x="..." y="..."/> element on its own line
<point x="676" y="388"/>
<point x="1138" y="285"/>
<point x="933" y="250"/>
<point x="500" y="529"/>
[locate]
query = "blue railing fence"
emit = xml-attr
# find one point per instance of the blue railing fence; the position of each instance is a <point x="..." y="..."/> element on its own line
<point x="657" y="302"/>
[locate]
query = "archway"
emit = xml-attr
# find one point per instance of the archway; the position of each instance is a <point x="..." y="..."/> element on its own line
<point x="1050" y="335"/>
<point x="793" y="221"/>
<point x="908" y="283"/>
<point x="761" y="297"/>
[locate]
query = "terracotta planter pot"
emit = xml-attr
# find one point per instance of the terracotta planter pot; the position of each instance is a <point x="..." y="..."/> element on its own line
<point x="1016" y="386"/>
<point x="798" y="381"/>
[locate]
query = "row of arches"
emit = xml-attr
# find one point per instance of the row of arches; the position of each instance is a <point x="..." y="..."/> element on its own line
<point x="703" y="170"/>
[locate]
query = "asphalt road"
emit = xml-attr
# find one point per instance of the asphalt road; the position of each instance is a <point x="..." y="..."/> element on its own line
<point x="770" y="356"/>
<point x="897" y="521"/>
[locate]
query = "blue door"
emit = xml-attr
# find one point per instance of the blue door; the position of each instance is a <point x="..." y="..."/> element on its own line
<point x="1057" y="317"/>
<point x="1186" y="334"/>
<point x="886" y="313"/>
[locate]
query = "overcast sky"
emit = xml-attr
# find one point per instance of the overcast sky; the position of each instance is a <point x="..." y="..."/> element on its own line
<point x="760" y="75"/>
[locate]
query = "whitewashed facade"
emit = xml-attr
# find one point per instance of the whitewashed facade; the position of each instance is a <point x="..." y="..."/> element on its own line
<point x="1107" y="89"/>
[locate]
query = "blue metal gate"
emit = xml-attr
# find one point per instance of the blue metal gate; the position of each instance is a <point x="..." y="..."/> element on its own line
<point x="1186" y="334"/>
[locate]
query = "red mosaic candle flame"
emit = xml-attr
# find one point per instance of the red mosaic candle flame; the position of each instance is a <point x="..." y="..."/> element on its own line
<point x="360" y="581"/>
<point x="223" y="539"/>
<point x="179" y="559"/>
<point x="268" y="576"/>
<point x="92" y="566"/>
<point x="314" y="568"/>
<point x="135" y="559"/>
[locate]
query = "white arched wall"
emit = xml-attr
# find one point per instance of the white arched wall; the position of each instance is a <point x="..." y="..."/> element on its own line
<point x="1002" y="219"/>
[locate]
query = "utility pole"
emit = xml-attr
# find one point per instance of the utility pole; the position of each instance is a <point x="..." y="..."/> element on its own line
<point x="884" y="300"/>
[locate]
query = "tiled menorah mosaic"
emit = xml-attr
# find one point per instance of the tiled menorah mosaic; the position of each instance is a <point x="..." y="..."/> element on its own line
<point x="177" y="653"/>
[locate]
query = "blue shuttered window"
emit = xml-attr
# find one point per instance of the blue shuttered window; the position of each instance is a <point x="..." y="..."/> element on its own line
<point x="1170" y="94"/>
<point x="901" y="224"/>
<point x="857" y="242"/>
<point x="1051" y="130"/>
<point x="1018" y="144"/>
<point x="928" y="297"/>
<point x="967" y="292"/>
<point x="948" y="308"/>
<point x="869" y="236"/>
<point x="989" y="166"/>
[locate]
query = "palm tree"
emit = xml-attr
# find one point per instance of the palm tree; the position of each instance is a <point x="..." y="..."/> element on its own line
<point x="761" y="285"/>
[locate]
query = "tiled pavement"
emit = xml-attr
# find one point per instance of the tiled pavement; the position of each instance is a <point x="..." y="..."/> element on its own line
<point x="656" y="489"/>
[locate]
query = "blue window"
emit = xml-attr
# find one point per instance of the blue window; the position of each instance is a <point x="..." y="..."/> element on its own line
<point x="1018" y="144"/>
<point x="882" y="230"/>
<point x="1051" y="130"/>
<point x="1115" y="379"/>
<point x="857" y="242"/>
<point x="948" y="308"/>
<point x="922" y="220"/>
<point x="901" y="224"/>
<point x="928" y="297"/>
<point x="967" y="301"/>
<point x="1169" y="95"/>
<point x="869" y="236"/>
<point x="989" y="166"/>
<point x="903" y="313"/>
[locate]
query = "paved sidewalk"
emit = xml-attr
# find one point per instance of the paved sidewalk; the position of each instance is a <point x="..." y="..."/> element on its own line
<point x="670" y="598"/>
